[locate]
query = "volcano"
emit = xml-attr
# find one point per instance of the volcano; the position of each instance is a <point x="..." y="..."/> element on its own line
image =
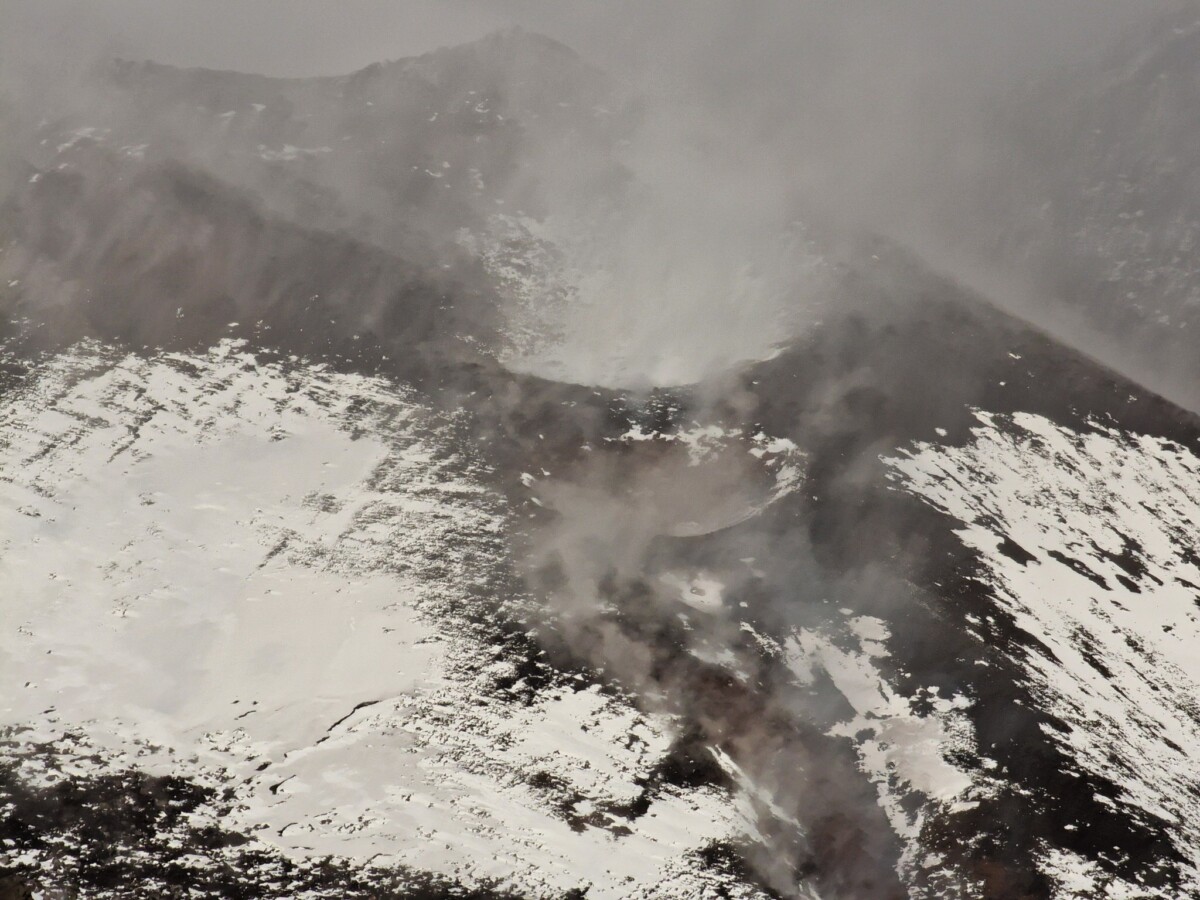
<point x="314" y="586"/>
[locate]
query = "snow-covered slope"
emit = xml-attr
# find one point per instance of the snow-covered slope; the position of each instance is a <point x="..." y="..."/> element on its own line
<point x="325" y="575"/>
<point x="1087" y="539"/>
<point x="280" y="583"/>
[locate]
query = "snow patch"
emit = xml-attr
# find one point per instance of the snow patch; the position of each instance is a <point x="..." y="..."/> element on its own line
<point x="1089" y="538"/>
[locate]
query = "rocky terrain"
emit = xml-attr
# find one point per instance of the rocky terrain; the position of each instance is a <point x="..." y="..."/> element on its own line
<point x="318" y="584"/>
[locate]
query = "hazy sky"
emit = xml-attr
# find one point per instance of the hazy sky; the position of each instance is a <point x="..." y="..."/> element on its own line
<point x="300" y="37"/>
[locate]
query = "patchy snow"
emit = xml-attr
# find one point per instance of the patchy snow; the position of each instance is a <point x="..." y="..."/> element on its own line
<point x="1073" y="876"/>
<point x="87" y="133"/>
<point x="701" y="592"/>
<point x="588" y="304"/>
<point x="288" y="153"/>
<point x="264" y="577"/>
<point x="530" y="278"/>
<point x="706" y="443"/>
<point x="905" y="753"/>
<point x="1089" y="539"/>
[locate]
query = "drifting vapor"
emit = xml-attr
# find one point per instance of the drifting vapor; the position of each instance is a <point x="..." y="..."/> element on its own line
<point x="609" y="450"/>
<point x="728" y="141"/>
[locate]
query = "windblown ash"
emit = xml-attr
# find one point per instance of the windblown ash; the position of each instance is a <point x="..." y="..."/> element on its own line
<point x="515" y="471"/>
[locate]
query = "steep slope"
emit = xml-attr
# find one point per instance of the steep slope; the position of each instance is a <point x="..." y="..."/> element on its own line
<point x="315" y="598"/>
<point x="861" y="392"/>
<point x="1083" y="187"/>
<point x="399" y="153"/>
<point x="422" y="174"/>
<point x="852" y="694"/>
<point x="270" y="592"/>
<point x="159" y="254"/>
<point x="847" y="625"/>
